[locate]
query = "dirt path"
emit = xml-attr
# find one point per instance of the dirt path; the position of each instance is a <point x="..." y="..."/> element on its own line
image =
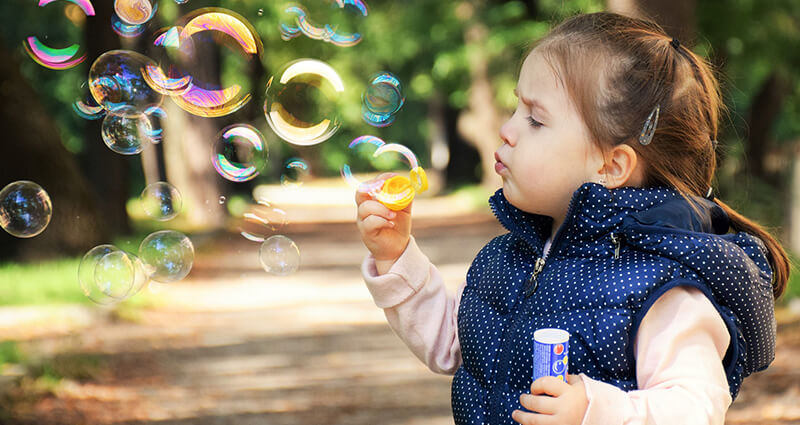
<point x="235" y="346"/>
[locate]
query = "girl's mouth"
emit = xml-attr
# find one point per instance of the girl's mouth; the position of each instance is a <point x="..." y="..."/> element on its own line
<point x="499" y="167"/>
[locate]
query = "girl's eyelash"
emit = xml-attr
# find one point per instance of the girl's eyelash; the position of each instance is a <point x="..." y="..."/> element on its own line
<point x="534" y="123"/>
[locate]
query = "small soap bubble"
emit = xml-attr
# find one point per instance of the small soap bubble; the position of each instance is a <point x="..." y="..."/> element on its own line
<point x="302" y="102"/>
<point x="181" y="1"/>
<point x="279" y="255"/>
<point x="156" y="116"/>
<point x="295" y="172"/>
<point x="382" y="99"/>
<point x="240" y="153"/>
<point x="135" y="12"/>
<point x="25" y="209"/>
<point x="161" y="201"/>
<point x="124" y="29"/>
<point x="117" y="84"/>
<point x="261" y="220"/>
<point x="126" y="134"/>
<point x="167" y="255"/>
<point x="260" y="12"/>
<point x="222" y="200"/>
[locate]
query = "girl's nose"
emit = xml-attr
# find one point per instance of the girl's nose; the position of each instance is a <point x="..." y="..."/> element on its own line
<point x="507" y="133"/>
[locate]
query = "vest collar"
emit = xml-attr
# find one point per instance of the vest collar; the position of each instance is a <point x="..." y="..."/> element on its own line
<point x="595" y="211"/>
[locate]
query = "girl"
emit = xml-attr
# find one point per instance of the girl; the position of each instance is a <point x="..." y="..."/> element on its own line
<point x="613" y="235"/>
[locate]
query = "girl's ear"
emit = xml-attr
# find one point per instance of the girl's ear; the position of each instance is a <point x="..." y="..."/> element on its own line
<point x="622" y="167"/>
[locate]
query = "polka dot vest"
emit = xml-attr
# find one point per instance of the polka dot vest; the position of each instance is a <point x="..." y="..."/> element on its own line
<point x="616" y="253"/>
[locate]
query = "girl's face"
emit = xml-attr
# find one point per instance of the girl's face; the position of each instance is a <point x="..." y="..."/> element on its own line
<point x="546" y="153"/>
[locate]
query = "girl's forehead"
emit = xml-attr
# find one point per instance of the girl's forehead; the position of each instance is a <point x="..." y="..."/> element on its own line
<point x="537" y="78"/>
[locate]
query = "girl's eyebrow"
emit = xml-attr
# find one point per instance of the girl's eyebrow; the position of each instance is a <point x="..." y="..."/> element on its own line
<point x="533" y="103"/>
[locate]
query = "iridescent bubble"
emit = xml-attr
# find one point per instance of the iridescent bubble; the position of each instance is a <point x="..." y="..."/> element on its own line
<point x="168" y="255"/>
<point x="161" y="201"/>
<point x="359" y="167"/>
<point x="261" y="220"/>
<point x="57" y="58"/>
<point x="86" y="274"/>
<point x="222" y="200"/>
<point x="124" y="29"/>
<point x="182" y="61"/>
<point x="279" y="255"/>
<point x="86" y="107"/>
<point x="127" y="133"/>
<point x="299" y="22"/>
<point x="156" y="115"/>
<point x="295" y="172"/>
<point x="117" y="84"/>
<point x="240" y="153"/>
<point x="135" y="12"/>
<point x="302" y="102"/>
<point x="25" y="209"/>
<point x="181" y="1"/>
<point x="382" y="99"/>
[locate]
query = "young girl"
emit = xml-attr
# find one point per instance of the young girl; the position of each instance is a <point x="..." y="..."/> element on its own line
<point x="614" y="235"/>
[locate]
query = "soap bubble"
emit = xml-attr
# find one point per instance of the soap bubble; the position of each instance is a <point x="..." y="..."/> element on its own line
<point x="168" y="255"/>
<point x="240" y="153"/>
<point x="297" y="21"/>
<point x="85" y="105"/>
<point x="59" y="58"/>
<point x="161" y="201"/>
<point x="261" y="220"/>
<point x="302" y="102"/>
<point x="135" y="12"/>
<point x="124" y="29"/>
<point x="117" y="84"/>
<point x="222" y="199"/>
<point x="25" y="209"/>
<point x="155" y="115"/>
<point x="360" y="165"/>
<point x="126" y="133"/>
<point x="382" y="99"/>
<point x="108" y="275"/>
<point x="279" y="255"/>
<point x="181" y="61"/>
<point x="295" y="172"/>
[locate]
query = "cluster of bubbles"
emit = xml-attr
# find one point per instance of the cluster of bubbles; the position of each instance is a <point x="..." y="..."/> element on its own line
<point x="126" y="90"/>
<point x="108" y="275"/>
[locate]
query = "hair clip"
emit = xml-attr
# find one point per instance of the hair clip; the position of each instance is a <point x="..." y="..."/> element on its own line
<point x="649" y="128"/>
<point x="675" y="43"/>
<point x="710" y="194"/>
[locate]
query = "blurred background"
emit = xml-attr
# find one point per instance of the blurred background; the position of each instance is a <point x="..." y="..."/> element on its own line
<point x="234" y="342"/>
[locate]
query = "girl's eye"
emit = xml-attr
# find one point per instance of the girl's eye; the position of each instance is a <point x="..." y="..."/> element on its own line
<point x="534" y="123"/>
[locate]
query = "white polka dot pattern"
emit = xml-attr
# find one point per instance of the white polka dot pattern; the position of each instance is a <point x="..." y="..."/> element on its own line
<point x="616" y="253"/>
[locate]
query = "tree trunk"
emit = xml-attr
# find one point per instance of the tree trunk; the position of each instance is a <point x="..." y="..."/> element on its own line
<point x="480" y="123"/>
<point x="760" y="121"/>
<point x="32" y="150"/>
<point x="678" y="18"/>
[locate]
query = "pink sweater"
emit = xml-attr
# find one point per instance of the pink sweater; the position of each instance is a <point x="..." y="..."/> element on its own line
<point x="679" y="346"/>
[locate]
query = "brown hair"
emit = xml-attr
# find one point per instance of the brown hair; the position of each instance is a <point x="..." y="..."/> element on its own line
<point x="616" y="69"/>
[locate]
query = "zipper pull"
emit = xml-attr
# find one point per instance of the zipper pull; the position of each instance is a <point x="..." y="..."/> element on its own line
<point x="617" y="241"/>
<point x="533" y="282"/>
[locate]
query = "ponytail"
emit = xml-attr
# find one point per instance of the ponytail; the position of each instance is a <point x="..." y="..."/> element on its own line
<point x="778" y="260"/>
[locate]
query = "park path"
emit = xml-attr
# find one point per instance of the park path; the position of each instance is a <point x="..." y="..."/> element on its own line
<point x="232" y="345"/>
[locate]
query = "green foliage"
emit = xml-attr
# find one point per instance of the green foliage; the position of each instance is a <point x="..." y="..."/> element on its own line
<point x="9" y="353"/>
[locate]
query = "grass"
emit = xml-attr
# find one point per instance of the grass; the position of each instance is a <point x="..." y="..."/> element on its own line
<point x="49" y="282"/>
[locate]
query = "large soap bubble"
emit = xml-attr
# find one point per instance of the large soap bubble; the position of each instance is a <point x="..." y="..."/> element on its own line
<point x="107" y="274"/>
<point x="301" y="103"/>
<point x="117" y="84"/>
<point x="168" y="255"/>
<point x="126" y="133"/>
<point x="25" y="209"/>
<point x="58" y="58"/>
<point x="161" y="201"/>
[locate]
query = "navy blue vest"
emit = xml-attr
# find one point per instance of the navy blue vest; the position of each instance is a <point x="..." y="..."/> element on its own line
<point x="616" y="253"/>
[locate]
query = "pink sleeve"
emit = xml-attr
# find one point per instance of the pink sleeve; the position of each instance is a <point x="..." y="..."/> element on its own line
<point x="419" y="309"/>
<point x="679" y="350"/>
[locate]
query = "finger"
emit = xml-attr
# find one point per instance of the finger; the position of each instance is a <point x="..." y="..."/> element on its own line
<point x="573" y="379"/>
<point x="375" y="208"/>
<point x="539" y="403"/>
<point x="524" y="418"/>
<point x="365" y="189"/>
<point x="373" y="223"/>
<point x="549" y="385"/>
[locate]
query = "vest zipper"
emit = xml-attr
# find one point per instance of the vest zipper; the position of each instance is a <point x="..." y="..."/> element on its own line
<point x="617" y="241"/>
<point x="533" y="282"/>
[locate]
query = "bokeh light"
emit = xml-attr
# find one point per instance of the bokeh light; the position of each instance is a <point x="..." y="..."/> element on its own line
<point x="25" y="209"/>
<point x="240" y="153"/>
<point x="167" y="255"/>
<point x="279" y="255"/>
<point x="301" y="103"/>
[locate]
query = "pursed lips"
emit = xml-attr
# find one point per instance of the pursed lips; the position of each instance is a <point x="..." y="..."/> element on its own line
<point x="499" y="166"/>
